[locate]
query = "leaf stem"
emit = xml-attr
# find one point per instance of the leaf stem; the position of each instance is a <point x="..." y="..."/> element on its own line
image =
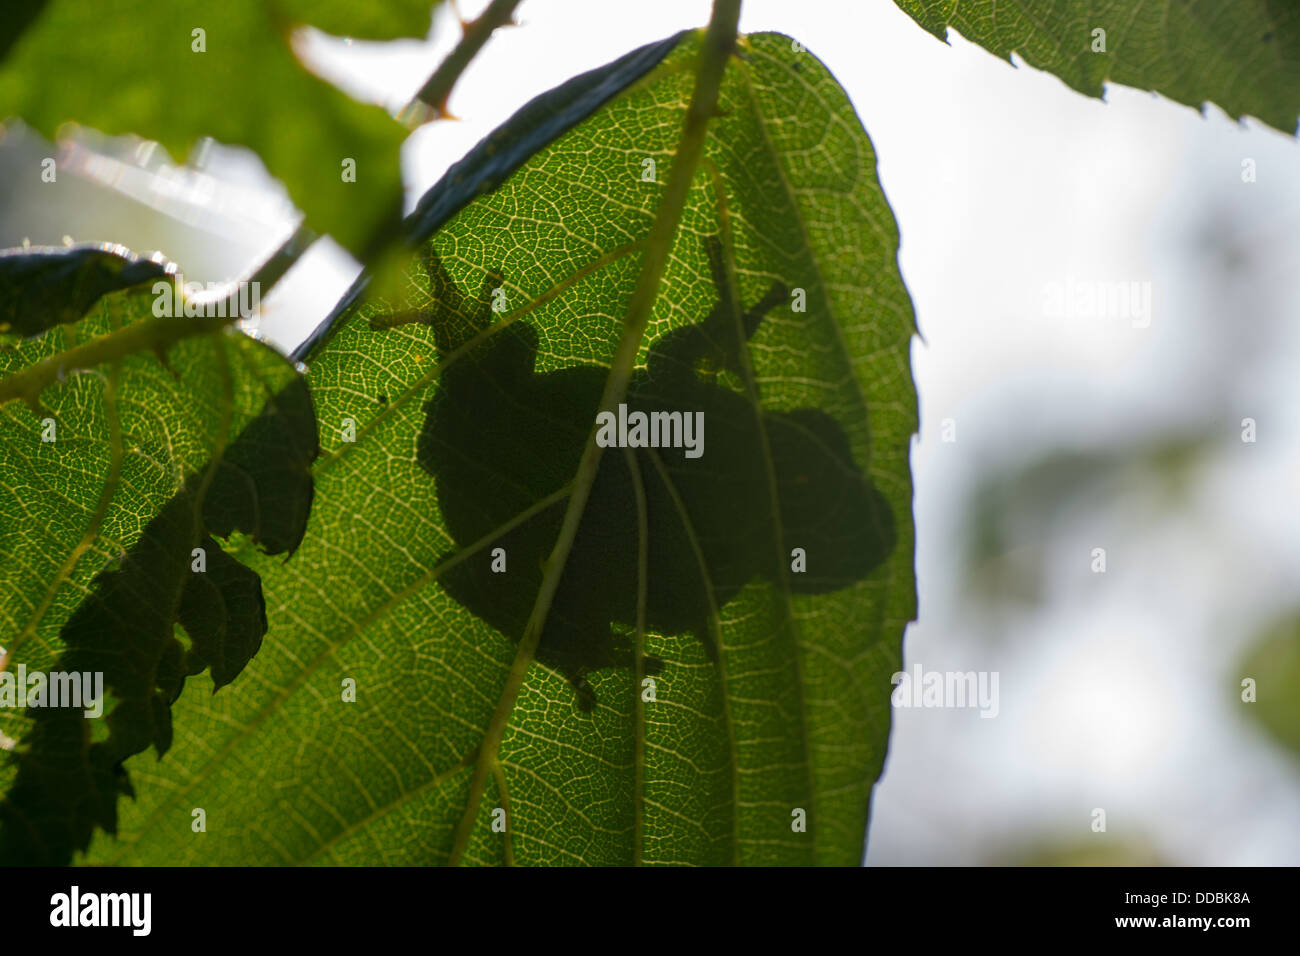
<point x="158" y="334"/>
<point x="437" y="88"/>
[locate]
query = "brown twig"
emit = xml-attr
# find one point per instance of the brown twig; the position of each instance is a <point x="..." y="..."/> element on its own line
<point x="431" y="101"/>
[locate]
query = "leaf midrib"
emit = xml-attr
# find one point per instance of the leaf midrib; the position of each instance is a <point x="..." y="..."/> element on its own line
<point x="715" y="53"/>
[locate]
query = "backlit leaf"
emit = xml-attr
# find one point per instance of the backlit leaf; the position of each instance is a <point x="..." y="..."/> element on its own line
<point x="452" y="421"/>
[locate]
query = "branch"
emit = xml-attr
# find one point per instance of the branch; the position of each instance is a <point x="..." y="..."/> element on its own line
<point x="431" y="101"/>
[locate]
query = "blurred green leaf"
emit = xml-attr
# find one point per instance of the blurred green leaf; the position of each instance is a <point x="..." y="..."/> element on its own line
<point x="1101" y="849"/>
<point x="386" y="20"/>
<point x="1015" y="512"/>
<point x="1274" y="665"/>
<point x="132" y="68"/>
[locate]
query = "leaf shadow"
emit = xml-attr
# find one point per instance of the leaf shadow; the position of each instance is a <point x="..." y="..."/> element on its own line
<point x="498" y="437"/>
<point x="70" y="773"/>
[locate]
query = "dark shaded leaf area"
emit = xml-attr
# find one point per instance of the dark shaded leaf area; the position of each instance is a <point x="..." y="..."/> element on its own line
<point x="498" y="438"/>
<point x="43" y="287"/>
<point x="69" y="777"/>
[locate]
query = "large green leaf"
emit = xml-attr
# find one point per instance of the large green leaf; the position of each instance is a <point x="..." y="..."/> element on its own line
<point x="120" y="473"/>
<point x="472" y="403"/>
<point x="131" y="67"/>
<point x="1242" y="55"/>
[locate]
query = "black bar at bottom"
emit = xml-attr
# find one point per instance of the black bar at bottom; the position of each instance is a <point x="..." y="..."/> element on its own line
<point x="933" y="905"/>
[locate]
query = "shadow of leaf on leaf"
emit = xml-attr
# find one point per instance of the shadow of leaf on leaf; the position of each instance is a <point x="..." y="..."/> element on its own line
<point x="499" y="437"/>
